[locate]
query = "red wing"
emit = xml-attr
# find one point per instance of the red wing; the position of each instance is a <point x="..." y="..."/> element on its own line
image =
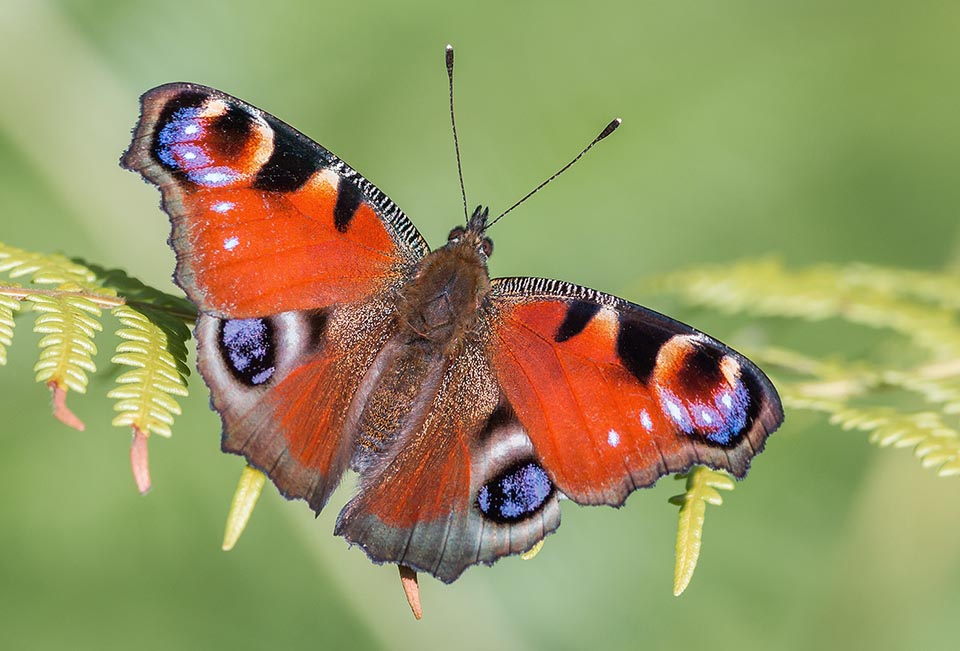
<point x="264" y="219"/>
<point x="464" y="489"/>
<point x="614" y="396"/>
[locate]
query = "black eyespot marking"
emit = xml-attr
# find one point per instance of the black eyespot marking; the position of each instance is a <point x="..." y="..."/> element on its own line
<point x="516" y="493"/>
<point x="230" y="132"/>
<point x="500" y="416"/>
<point x="316" y="327"/>
<point x="638" y="344"/>
<point x="700" y="370"/>
<point x="247" y="348"/>
<point x="292" y="162"/>
<point x="579" y="314"/>
<point x="348" y="200"/>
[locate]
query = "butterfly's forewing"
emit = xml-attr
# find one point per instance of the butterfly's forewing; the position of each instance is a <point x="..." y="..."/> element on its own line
<point x="264" y="219"/>
<point x="614" y="396"/>
<point x="288" y="253"/>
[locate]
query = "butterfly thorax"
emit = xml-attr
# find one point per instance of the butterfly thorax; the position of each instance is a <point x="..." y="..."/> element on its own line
<point x="439" y="314"/>
<point x="442" y="303"/>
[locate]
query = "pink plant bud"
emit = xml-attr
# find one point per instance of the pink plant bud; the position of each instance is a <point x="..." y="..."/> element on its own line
<point x="60" y="410"/>
<point x="139" y="462"/>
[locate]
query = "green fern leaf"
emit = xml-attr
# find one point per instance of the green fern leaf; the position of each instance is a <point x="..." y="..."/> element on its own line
<point x="936" y="444"/>
<point x="702" y="488"/>
<point x="8" y="306"/>
<point x="767" y="289"/>
<point x="168" y="308"/>
<point x="938" y="288"/>
<point x="47" y="269"/>
<point x="69" y="324"/>
<point x="937" y="383"/>
<point x="145" y="395"/>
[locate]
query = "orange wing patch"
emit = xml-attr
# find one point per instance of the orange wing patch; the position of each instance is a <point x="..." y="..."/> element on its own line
<point x="264" y="219"/>
<point x="249" y="253"/>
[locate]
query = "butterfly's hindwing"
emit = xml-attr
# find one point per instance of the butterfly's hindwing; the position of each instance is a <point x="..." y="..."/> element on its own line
<point x="465" y="487"/>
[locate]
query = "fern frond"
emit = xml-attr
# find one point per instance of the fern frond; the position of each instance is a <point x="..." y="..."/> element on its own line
<point x="69" y="324"/>
<point x="145" y="395"/>
<point x="153" y="334"/>
<point x="702" y="488"/>
<point x="767" y="289"/>
<point x="939" y="288"/>
<point x="937" y="383"/>
<point x="8" y="306"/>
<point x="171" y="309"/>
<point x="244" y="500"/>
<point x="933" y="441"/>
<point x="42" y="268"/>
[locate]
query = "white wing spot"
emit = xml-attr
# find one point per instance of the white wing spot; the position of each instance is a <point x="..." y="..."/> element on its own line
<point x="223" y="206"/>
<point x="613" y="438"/>
<point x="727" y="401"/>
<point x="215" y="178"/>
<point x="707" y="418"/>
<point x="191" y="129"/>
<point x="645" y="420"/>
<point x="674" y="410"/>
<point x="230" y="243"/>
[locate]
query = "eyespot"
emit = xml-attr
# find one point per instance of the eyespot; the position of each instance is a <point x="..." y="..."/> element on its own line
<point x="456" y="233"/>
<point x="247" y="347"/>
<point x="516" y="493"/>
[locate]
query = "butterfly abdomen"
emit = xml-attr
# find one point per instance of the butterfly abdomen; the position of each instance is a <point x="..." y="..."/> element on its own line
<point x="437" y="315"/>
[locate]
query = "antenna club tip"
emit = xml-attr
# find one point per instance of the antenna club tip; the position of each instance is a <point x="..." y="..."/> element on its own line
<point x="610" y="128"/>
<point x="449" y="57"/>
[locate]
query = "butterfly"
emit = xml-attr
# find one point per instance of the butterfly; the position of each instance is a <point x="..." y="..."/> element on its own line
<point x="332" y="338"/>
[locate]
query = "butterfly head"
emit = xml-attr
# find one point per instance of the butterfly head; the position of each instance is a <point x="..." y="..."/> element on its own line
<point x="474" y="232"/>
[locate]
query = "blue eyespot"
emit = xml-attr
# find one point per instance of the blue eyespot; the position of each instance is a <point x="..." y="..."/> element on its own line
<point x="720" y="420"/>
<point x="515" y="494"/>
<point x="247" y="348"/>
<point x="181" y="147"/>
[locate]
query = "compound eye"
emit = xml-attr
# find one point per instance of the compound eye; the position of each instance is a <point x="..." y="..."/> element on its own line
<point x="486" y="245"/>
<point x="456" y="233"/>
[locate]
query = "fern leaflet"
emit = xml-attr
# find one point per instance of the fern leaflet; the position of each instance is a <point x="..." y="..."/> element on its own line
<point x="8" y="306"/>
<point x="702" y="488"/>
<point x="145" y="395"/>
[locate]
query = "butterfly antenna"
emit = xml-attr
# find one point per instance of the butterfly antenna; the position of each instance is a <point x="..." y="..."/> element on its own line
<point x="456" y="141"/>
<point x="607" y="130"/>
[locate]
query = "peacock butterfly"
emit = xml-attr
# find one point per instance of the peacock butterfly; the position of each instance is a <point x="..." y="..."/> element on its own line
<point x="332" y="337"/>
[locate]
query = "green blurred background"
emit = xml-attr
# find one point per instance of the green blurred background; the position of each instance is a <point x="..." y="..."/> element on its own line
<point x="815" y="131"/>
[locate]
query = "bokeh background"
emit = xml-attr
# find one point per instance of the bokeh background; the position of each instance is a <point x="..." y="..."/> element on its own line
<point x="814" y="131"/>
